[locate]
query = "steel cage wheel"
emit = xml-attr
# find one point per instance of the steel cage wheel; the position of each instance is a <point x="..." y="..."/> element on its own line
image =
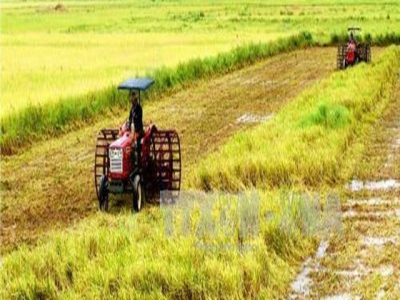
<point x="104" y="138"/>
<point x="163" y="172"/>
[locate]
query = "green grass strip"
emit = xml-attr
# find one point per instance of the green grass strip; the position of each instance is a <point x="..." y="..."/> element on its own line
<point x="307" y="141"/>
<point x="130" y="256"/>
<point x="389" y="38"/>
<point x="36" y="122"/>
<point x="50" y="119"/>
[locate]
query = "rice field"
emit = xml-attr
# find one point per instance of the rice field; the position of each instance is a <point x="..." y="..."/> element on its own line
<point x="203" y="126"/>
<point x="318" y="135"/>
<point x="253" y="92"/>
<point x="51" y="52"/>
<point x="124" y="255"/>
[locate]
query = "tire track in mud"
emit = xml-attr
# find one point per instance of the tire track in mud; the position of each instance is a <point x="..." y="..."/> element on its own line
<point x="50" y="186"/>
<point x="364" y="261"/>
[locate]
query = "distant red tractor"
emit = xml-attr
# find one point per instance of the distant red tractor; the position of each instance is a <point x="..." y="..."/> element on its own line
<point x="353" y="52"/>
<point x="116" y="168"/>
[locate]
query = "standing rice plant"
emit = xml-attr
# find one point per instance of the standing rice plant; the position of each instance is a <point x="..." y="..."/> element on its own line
<point x="132" y="256"/>
<point x="381" y="39"/>
<point x="306" y="143"/>
<point x="37" y="121"/>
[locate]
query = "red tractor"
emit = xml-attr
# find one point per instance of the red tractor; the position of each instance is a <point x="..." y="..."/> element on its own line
<point x="116" y="169"/>
<point x="353" y="52"/>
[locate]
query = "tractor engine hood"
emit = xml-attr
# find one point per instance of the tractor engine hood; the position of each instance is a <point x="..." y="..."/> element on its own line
<point x="124" y="141"/>
<point x="120" y="157"/>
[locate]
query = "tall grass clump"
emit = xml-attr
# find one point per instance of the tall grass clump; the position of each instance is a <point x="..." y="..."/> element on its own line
<point x="307" y="141"/>
<point x="381" y="39"/>
<point x="49" y="119"/>
<point x="226" y="62"/>
<point x="131" y="256"/>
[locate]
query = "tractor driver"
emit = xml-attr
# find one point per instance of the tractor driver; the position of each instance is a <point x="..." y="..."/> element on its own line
<point x="352" y="40"/>
<point x="352" y="49"/>
<point x="136" y="118"/>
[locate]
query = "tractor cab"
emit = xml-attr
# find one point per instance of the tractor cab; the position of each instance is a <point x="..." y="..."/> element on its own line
<point x="117" y="169"/>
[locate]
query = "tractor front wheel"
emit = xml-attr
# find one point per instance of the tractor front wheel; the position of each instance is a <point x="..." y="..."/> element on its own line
<point x="138" y="195"/>
<point x="103" y="193"/>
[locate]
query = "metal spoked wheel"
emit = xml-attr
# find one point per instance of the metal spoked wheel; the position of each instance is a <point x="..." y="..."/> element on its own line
<point x="101" y="163"/>
<point x="341" y="56"/>
<point x="163" y="172"/>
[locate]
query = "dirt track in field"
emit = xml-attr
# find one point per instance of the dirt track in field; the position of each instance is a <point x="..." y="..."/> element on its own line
<point x="50" y="186"/>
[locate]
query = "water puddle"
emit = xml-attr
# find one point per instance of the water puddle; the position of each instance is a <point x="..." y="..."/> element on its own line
<point x="380" y="295"/>
<point x="321" y="251"/>
<point x="248" y="118"/>
<point x="386" y="271"/>
<point x="362" y="270"/>
<point x="357" y="185"/>
<point x="302" y="284"/>
<point x="349" y="273"/>
<point x="378" y="241"/>
<point x="371" y="214"/>
<point x="371" y="202"/>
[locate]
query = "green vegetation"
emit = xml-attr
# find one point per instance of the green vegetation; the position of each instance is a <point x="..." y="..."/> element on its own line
<point x="84" y="46"/>
<point x="328" y="117"/>
<point x="305" y="143"/>
<point x="73" y="53"/>
<point x="378" y="161"/>
<point x="60" y="64"/>
<point x="189" y="110"/>
<point x="382" y="39"/>
<point x="130" y="255"/>
<point x="52" y="118"/>
<point x="37" y="121"/>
